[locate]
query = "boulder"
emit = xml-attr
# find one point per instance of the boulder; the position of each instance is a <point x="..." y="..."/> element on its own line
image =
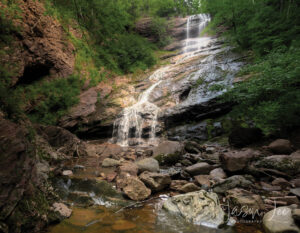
<point x="110" y="162"/>
<point x="168" y="147"/>
<point x="201" y="208"/>
<point x="199" y="169"/>
<point x="237" y="160"/>
<point x="241" y="137"/>
<point x="189" y="187"/>
<point x="231" y="183"/>
<point x="280" y="220"/>
<point x="281" y="147"/>
<point x="283" y="163"/>
<point x="245" y="201"/>
<point x="148" y="164"/>
<point x="130" y="168"/>
<point x="136" y="189"/>
<point x="177" y="184"/>
<point x="217" y="174"/>
<point x="155" y="181"/>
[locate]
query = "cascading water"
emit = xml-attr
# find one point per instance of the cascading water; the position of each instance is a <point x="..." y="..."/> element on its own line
<point x="143" y="115"/>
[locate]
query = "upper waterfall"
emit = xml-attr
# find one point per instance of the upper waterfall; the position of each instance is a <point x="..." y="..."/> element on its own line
<point x="128" y="128"/>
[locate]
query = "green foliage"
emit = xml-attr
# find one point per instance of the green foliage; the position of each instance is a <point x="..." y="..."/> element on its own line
<point x="271" y="97"/>
<point x="159" y="30"/>
<point x="51" y="99"/>
<point x="258" y="25"/>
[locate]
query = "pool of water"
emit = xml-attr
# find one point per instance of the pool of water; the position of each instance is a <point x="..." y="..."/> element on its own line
<point x="148" y="218"/>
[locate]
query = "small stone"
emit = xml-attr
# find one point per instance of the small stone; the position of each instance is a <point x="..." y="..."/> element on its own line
<point x="268" y="187"/>
<point x="62" y="209"/>
<point x="67" y="173"/>
<point x="110" y="162"/>
<point x="190" y="187"/>
<point x="217" y="174"/>
<point x="202" y="180"/>
<point x="199" y="169"/>
<point x="177" y="184"/>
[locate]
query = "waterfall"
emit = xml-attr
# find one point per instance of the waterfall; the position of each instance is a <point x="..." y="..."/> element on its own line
<point x="194" y="27"/>
<point x="128" y="128"/>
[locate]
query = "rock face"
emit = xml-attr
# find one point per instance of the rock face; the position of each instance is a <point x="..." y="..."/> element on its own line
<point x="62" y="140"/>
<point x="280" y="220"/>
<point x="22" y="181"/>
<point x="40" y="48"/>
<point x="148" y="164"/>
<point x="155" y="181"/>
<point x="136" y="190"/>
<point x="281" y="147"/>
<point x="200" y="207"/>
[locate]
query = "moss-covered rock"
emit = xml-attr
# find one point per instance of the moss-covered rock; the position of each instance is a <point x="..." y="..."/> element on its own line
<point x="169" y="159"/>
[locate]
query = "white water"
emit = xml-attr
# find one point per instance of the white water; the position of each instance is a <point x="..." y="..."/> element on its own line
<point x="144" y="113"/>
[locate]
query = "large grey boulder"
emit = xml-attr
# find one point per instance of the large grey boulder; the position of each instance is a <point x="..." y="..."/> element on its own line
<point x="148" y="164"/>
<point x="280" y="220"/>
<point x="201" y="208"/>
<point x="168" y="147"/>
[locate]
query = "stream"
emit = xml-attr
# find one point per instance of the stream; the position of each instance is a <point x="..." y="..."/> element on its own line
<point x="144" y="116"/>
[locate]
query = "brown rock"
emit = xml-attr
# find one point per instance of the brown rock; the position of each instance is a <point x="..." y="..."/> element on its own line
<point x="62" y="209"/>
<point x="281" y="182"/>
<point x="217" y="174"/>
<point x="168" y="147"/>
<point x="246" y="201"/>
<point x="289" y="200"/>
<point x="190" y="187"/>
<point x="203" y="180"/>
<point x="135" y="189"/>
<point x="199" y="168"/>
<point x="177" y="184"/>
<point x="268" y="187"/>
<point x="237" y="160"/>
<point x="155" y="181"/>
<point x="281" y="146"/>
<point x="130" y="168"/>
<point x="296" y="183"/>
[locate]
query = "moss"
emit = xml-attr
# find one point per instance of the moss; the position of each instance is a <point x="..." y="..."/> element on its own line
<point x="169" y="159"/>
